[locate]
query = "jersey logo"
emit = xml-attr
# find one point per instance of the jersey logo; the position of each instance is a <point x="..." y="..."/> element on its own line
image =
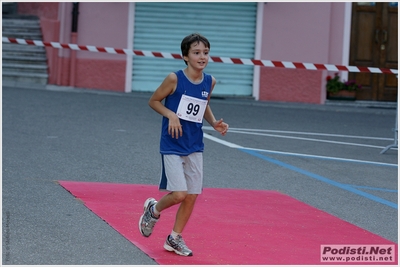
<point x="204" y="94"/>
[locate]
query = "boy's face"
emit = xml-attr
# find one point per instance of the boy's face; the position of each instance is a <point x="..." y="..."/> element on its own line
<point x="198" y="56"/>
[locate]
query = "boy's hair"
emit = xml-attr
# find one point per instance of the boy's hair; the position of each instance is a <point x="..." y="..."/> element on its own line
<point x="189" y="40"/>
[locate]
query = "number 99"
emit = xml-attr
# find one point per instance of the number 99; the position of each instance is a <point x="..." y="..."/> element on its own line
<point x="193" y="109"/>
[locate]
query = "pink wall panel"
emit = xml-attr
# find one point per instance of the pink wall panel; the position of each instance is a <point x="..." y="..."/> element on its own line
<point x="50" y="32"/>
<point x="296" y="32"/>
<point x="290" y="85"/>
<point x="101" y="74"/>
<point x="63" y="71"/>
<point x="47" y="10"/>
<point x="337" y="32"/>
<point x="300" y="32"/>
<point x="103" y="24"/>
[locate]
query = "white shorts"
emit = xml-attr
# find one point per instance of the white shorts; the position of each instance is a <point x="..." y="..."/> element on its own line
<point x="182" y="173"/>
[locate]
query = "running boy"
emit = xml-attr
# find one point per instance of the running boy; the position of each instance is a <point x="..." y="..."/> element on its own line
<point x="186" y="93"/>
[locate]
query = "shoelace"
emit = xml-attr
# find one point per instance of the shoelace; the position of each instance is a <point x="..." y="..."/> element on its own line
<point x="180" y="242"/>
<point x="150" y="221"/>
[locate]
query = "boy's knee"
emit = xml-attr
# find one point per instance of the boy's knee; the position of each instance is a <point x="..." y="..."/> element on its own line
<point x="179" y="196"/>
<point x="191" y="197"/>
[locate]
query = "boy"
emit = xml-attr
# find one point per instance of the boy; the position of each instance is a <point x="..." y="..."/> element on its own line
<point x="186" y="94"/>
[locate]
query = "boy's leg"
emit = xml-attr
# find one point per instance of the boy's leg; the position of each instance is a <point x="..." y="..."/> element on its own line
<point x="175" y="241"/>
<point x="184" y="212"/>
<point x="149" y="218"/>
<point x="185" y="209"/>
<point x="193" y="169"/>
<point x="175" y="178"/>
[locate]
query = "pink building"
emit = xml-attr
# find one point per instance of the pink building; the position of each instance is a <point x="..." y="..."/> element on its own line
<point x="295" y="32"/>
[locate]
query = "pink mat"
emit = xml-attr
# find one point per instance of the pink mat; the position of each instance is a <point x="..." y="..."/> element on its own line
<point x="228" y="226"/>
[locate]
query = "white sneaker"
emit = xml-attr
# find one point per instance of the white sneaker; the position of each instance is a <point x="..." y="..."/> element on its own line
<point x="177" y="245"/>
<point x="147" y="220"/>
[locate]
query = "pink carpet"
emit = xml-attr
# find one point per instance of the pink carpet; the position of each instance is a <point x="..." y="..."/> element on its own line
<point x="228" y="226"/>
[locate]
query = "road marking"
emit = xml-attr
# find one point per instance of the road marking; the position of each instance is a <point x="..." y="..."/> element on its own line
<point x="304" y="172"/>
<point x="304" y="133"/>
<point x="307" y="139"/>
<point x="232" y="145"/>
<point x="323" y="179"/>
<point x="323" y="157"/>
<point x="375" y="188"/>
<point x="222" y="142"/>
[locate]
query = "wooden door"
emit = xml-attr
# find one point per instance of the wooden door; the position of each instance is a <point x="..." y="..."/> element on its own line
<point x="374" y="44"/>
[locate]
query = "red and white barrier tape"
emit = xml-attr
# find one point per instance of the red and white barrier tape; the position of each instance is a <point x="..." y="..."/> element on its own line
<point x="240" y="61"/>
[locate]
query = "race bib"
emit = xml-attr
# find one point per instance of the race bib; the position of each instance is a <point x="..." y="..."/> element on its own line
<point x="191" y="109"/>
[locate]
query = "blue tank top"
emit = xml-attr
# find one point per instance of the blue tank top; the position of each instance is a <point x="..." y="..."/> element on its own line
<point x="192" y="139"/>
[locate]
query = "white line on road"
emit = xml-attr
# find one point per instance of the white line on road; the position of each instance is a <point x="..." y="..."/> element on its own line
<point x="232" y="145"/>
<point x="222" y="142"/>
<point x="304" y="133"/>
<point x="305" y="139"/>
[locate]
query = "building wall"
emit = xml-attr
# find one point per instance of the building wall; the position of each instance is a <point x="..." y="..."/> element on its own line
<point x="340" y="28"/>
<point x="99" y="24"/>
<point x="299" y="32"/>
<point x="102" y="24"/>
<point x="47" y="10"/>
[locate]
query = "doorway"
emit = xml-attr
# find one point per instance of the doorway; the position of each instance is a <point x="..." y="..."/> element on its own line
<point x="373" y="43"/>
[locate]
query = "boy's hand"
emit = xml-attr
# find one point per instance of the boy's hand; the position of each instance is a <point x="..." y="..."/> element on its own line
<point x="175" y="127"/>
<point x="221" y="127"/>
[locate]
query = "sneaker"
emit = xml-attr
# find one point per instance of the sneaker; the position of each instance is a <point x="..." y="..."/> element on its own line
<point x="147" y="220"/>
<point x="177" y="245"/>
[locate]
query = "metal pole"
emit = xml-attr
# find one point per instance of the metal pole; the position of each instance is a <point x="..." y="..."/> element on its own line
<point x="395" y="144"/>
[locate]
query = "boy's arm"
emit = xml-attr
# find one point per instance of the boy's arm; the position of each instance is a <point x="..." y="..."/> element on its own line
<point x="220" y="126"/>
<point x="166" y="88"/>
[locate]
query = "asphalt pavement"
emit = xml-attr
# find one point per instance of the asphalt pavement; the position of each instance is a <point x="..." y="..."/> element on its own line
<point x="327" y="156"/>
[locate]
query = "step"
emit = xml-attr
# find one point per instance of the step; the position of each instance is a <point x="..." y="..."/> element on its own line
<point x="25" y="60"/>
<point x="19" y="17"/>
<point x="37" y="78"/>
<point x="18" y="25"/>
<point x="23" y="53"/>
<point x="23" y="35"/>
<point x="14" y="67"/>
<point x="23" y="71"/>
<point x="31" y="75"/>
<point x="32" y="57"/>
<point x="19" y="28"/>
<point x="21" y="22"/>
<point x="22" y="47"/>
<point x="23" y="63"/>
